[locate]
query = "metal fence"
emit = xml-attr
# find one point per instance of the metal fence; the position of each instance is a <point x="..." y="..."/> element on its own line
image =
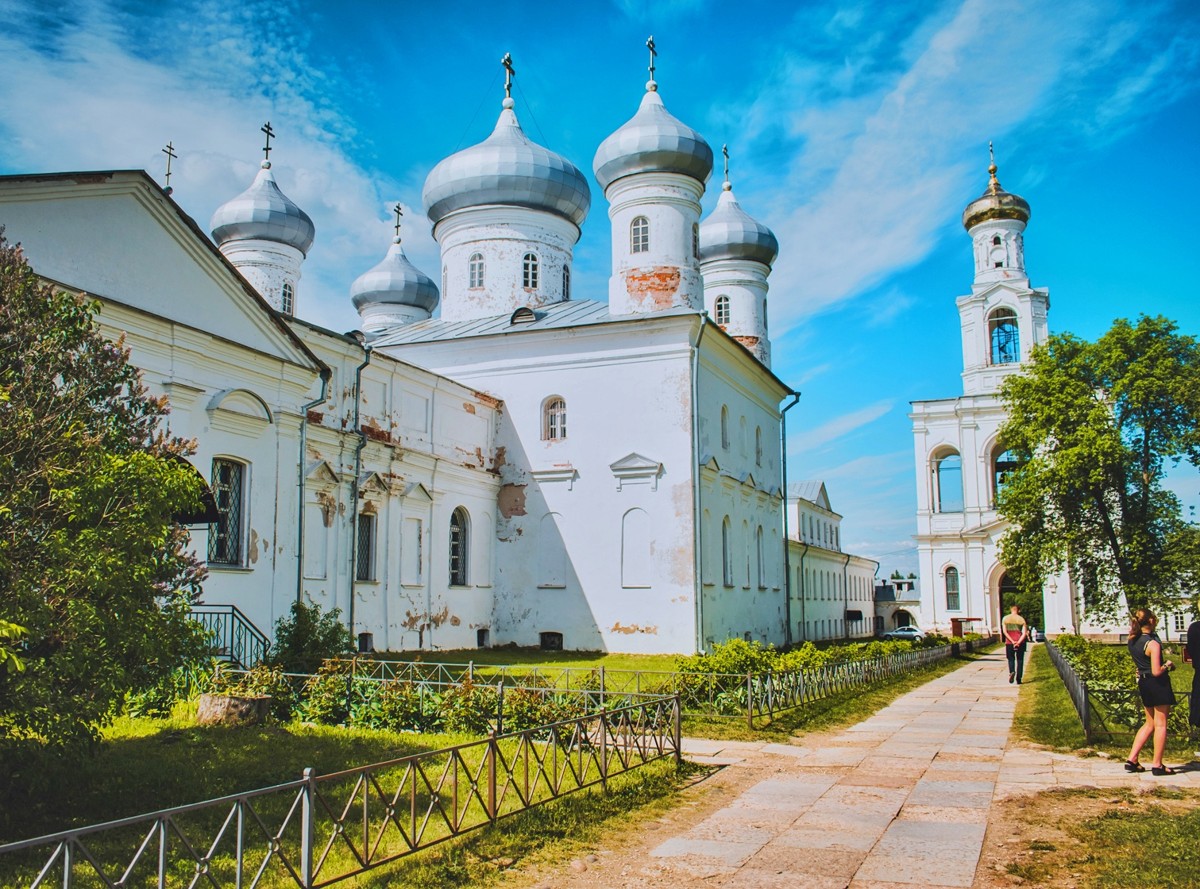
<point x="727" y="695"/>
<point x="234" y="637"/>
<point x="1108" y="712"/>
<point x="320" y="829"/>
<point x="1076" y="688"/>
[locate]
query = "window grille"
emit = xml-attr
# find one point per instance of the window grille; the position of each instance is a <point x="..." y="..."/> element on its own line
<point x="952" y="599"/>
<point x="722" y="309"/>
<point x="225" y="534"/>
<point x="364" y="559"/>
<point x="475" y="270"/>
<point x="554" y="426"/>
<point x="639" y="235"/>
<point x="566" y="284"/>
<point x="726" y="553"/>
<point x="288" y="301"/>
<point x="696" y="240"/>
<point x="530" y="271"/>
<point x="458" y="547"/>
<point x="1005" y="336"/>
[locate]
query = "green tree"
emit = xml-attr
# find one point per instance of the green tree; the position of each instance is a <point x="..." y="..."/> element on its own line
<point x="92" y="567"/>
<point x="1095" y="427"/>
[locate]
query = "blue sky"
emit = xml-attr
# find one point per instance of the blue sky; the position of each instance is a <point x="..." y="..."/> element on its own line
<point x="858" y="132"/>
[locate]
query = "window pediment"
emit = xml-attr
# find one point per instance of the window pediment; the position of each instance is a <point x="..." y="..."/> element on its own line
<point x="320" y="472"/>
<point x="240" y="404"/>
<point x="565" y="473"/>
<point x="635" y="469"/>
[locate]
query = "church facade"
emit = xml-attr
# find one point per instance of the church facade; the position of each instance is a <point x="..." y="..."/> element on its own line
<point x="487" y="461"/>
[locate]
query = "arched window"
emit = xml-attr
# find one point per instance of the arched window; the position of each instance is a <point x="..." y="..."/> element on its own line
<point x="726" y="552"/>
<point x="639" y="235"/>
<point x="1005" y="336"/>
<point x="758" y="446"/>
<point x="948" y="485"/>
<point x="288" y="300"/>
<point x="952" y="597"/>
<point x="554" y="419"/>
<point x="721" y="309"/>
<point x="475" y="271"/>
<point x="1003" y="463"/>
<point x="696" y="240"/>
<point x="225" y="534"/>
<point x="529" y="271"/>
<point x="762" y="568"/>
<point x="996" y="240"/>
<point x="460" y="529"/>
<point x="566" y="283"/>
<point x="724" y="427"/>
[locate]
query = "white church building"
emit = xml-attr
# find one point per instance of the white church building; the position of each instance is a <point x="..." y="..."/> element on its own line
<point x="493" y="458"/>
<point x="960" y="465"/>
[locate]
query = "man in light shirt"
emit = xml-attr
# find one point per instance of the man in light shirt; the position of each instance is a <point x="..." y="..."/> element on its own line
<point x="1016" y="634"/>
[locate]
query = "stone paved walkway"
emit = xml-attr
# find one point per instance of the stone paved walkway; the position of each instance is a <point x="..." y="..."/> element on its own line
<point x="898" y="800"/>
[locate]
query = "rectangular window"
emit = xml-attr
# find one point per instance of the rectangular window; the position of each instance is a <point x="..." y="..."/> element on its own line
<point x="364" y="557"/>
<point x="225" y="534"/>
<point x="1180" y="623"/>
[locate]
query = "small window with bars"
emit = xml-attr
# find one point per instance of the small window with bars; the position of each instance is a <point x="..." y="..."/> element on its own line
<point x="554" y="422"/>
<point x="287" y="302"/>
<point x="696" y="240"/>
<point x="364" y="556"/>
<point x="475" y="271"/>
<point x="639" y="235"/>
<point x="529" y="271"/>
<point x="721" y="309"/>
<point x="566" y="283"/>
<point x="225" y="534"/>
<point x="952" y="597"/>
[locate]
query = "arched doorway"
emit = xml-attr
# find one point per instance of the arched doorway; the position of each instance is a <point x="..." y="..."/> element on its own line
<point x="1030" y="603"/>
<point x="902" y="619"/>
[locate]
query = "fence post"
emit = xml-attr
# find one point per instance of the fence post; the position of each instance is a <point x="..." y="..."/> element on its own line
<point x="471" y="671"/>
<point x="601" y="686"/>
<point x="677" y="719"/>
<point x="1085" y="713"/>
<point x="750" y="700"/>
<point x="307" y="828"/>
<point x="603" y="744"/>
<point x="492" y="749"/>
<point x="500" y="707"/>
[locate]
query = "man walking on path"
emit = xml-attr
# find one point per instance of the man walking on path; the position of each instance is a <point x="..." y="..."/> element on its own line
<point x="1016" y="633"/>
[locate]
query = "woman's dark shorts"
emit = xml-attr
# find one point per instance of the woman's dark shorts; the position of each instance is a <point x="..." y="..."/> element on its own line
<point x="1156" y="691"/>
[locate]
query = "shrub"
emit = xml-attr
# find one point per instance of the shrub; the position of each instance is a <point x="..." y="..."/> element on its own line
<point x="308" y="636"/>
<point x="469" y="708"/>
<point x="325" y="698"/>
<point x="263" y="679"/>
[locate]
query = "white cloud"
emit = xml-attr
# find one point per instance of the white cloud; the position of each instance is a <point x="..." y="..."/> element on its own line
<point x="834" y="429"/>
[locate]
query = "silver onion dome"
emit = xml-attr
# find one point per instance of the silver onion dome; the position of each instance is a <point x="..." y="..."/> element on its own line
<point x="394" y="281"/>
<point x="263" y="212"/>
<point x="995" y="203"/>
<point x="652" y="141"/>
<point x="507" y="168"/>
<point x="730" y="232"/>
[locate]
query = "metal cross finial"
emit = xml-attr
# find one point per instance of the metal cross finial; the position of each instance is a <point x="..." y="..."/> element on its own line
<point x="509" y="73"/>
<point x="991" y="152"/>
<point x="653" y="53"/>
<point x="399" y="211"/>
<point x="266" y="128"/>
<point x="725" y="152"/>
<point x="169" y="151"/>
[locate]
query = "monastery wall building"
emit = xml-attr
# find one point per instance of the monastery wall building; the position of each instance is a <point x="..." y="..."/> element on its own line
<point x="493" y="457"/>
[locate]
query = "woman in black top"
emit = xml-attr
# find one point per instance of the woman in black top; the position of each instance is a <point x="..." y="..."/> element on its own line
<point x="1154" y="685"/>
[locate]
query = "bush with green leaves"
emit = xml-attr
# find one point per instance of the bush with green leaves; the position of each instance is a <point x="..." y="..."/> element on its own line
<point x="470" y="708"/>
<point x="326" y="696"/>
<point x="307" y="636"/>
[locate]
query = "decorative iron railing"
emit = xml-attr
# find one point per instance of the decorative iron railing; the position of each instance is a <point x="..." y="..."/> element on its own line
<point x="1076" y="687"/>
<point x="235" y="637"/>
<point x="320" y="829"/>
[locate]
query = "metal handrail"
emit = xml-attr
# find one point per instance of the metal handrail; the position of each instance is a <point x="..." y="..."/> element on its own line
<point x="321" y="829"/>
<point x="234" y="635"/>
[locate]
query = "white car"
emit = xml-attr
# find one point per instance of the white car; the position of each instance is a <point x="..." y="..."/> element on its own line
<point x="912" y="634"/>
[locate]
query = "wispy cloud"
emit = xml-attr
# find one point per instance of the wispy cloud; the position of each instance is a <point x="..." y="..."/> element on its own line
<point x="838" y="427"/>
<point x="879" y="156"/>
<point x="208" y="89"/>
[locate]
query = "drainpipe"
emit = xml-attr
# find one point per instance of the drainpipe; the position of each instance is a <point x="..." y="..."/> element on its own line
<point x="326" y="373"/>
<point x="697" y="560"/>
<point x="362" y="443"/>
<point x="787" y="565"/>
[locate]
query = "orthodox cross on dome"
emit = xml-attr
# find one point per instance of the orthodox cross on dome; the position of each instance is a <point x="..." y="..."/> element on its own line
<point x="509" y="73"/>
<point x="169" y="151"/>
<point x="993" y="184"/>
<point x="399" y="211"/>
<point x="266" y="128"/>
<point x="653" y="54"/>
<point x="725" y="153"/>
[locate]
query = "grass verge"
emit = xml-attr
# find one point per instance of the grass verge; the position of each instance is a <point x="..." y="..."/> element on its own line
<point x="832" y="713"/>
<point x="1045" y="714"/>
